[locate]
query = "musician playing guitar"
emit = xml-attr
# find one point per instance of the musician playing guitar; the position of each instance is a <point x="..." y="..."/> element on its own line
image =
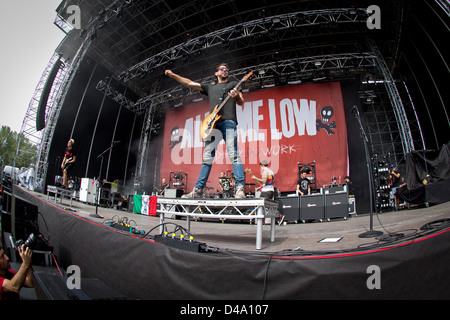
<point x="226" y="126"/>
<point x="266" y="181"/>
<point x="162" y="188"/>
<point x="68" y="161"/>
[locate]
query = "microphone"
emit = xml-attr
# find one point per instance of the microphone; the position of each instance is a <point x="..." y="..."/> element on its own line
<point x="115" y="142"/>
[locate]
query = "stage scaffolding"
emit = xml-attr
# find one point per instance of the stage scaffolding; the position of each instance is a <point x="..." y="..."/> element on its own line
<point x="257" y="209"/>
<point x="274" y="68"/>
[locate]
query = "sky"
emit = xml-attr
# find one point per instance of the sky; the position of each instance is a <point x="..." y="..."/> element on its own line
<point x="28" y="39"/>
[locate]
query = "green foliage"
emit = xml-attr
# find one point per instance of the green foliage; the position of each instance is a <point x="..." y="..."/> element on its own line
<point x="8" y="147"/>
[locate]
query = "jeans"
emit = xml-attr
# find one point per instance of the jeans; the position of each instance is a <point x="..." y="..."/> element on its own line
<point x="226" y="129"/>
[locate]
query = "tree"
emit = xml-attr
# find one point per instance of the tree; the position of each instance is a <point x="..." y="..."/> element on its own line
<point x="8" y="147"/>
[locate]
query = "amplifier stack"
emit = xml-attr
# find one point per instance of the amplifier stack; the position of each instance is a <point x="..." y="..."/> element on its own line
<point x="315" y="207"/>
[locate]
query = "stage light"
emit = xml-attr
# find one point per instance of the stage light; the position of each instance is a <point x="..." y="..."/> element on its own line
<point x="294" y="82"/>
<point x="276" y="20"/>
<point x="319" y="79"/>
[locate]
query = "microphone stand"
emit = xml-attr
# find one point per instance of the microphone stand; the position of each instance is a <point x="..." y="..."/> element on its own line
<point x="97" y="200"/>
<point x="371" y="233"/>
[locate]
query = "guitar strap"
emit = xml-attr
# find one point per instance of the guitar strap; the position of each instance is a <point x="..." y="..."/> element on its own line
<point x="222" y="97"/>
<point x="222" y="94"/>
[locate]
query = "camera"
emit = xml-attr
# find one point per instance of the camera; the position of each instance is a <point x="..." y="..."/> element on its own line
<point x="31" y="240"/>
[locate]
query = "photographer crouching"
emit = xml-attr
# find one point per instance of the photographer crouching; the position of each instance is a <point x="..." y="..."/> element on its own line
<point x="10" y="281"/>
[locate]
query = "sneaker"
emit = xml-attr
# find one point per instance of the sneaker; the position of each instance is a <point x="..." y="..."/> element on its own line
<point x="196" y="193"/>
<point x="239" y="192"/>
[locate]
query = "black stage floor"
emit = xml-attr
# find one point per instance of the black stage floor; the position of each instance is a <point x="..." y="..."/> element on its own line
<point x="235" y="235"/>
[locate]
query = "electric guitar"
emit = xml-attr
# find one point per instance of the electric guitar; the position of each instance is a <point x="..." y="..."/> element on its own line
<point x="209" y="123"/>
<point x="66" y="162"/>
<point x="161" y="191"/>
<point x="259" y="182"/>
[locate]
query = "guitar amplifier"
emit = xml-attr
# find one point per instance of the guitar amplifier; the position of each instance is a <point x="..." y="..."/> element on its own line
<point x="336" y="205"/>
<point x="311" y="207"/>
<point x="289" y="207"/>
<point x="173" y="193"/>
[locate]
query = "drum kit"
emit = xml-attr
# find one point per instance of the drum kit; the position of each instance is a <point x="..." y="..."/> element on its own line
<point x="178" y="180"/>
<point x="227" y="183"/>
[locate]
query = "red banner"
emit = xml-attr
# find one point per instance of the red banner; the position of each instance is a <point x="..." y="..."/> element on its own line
<point x="285" y="126"/>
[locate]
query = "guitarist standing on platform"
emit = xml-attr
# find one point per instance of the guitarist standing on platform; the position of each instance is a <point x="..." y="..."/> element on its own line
<point x="227" y="126"/>
<point x="68" y="161"/>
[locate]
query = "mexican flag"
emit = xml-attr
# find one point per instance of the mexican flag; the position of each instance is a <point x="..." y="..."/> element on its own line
<point x="145" y="204"/>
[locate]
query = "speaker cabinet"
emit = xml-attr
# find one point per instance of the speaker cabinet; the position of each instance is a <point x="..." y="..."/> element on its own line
<point x="289" y="207"/>
<point x="130" y="203"/>
<point x="173" y="193"/>
<point x="311" y="207"/>
<point x="336" y="205"/>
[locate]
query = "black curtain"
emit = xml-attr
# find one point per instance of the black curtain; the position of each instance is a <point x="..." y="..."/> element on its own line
<point x="356" y="153"/>
<point x="431" y="165"/>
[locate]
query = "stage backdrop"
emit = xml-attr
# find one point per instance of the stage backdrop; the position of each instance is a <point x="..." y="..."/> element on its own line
<point x="285" y="126"/>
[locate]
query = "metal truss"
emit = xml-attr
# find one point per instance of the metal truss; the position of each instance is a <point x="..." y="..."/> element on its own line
<point x="396" y="101"/>
<point x="274" y="73"/>
<point x="112" y="93"/>
<point x="328" y="17"/>
<point x="219" y="209"/>
<point x="445" y="6"/>
<point x="382" y="128"/>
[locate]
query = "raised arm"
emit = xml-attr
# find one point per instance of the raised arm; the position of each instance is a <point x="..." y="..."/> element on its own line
<point x="184" y="81"/>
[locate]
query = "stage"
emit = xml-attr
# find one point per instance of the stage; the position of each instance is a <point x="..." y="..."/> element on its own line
<point x="413" y="260"/>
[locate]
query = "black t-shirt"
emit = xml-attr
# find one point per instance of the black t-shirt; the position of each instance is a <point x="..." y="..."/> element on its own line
<point x="350" y="188"/>
<point x="304" y="183"/>
<point x="395" y="180"/>
<point x="70" y="153"/>
<point x="216" y="94"/>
